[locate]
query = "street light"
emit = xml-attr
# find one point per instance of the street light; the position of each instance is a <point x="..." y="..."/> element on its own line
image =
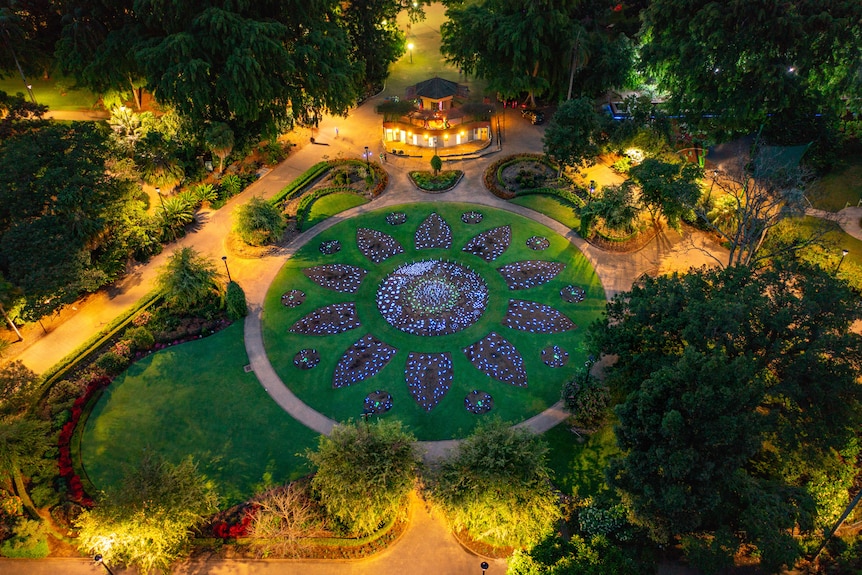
<point x="410" y="47"/>
<point x="841" y="261"/>
<point x="98" y="559"/>
<point x="484" y="566"/>
<point x="367" y="161"/>
<point x="224" y="259"/>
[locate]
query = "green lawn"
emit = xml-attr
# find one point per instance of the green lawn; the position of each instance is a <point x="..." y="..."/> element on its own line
<point x="838" y="189"/>
<point x="449" y="418"/>
<point x="579" y="463"/>
<point x="328" y="206"/>
<point x="551" y="206"/>
<point x="195" y="399"/>
<point x="46" y="92"/>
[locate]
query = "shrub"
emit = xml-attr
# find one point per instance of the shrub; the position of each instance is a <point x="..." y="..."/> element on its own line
<point x="299" y="184"/>
<point x="112" y="363"/>
<point x="235" y="304"/>
<point x="230" y="186"/>
<point x="142" y="338"/>
<point x="259" y="222"/>
<point x="27" y="542"/>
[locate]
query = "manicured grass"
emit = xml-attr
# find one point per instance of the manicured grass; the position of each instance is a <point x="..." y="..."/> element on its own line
<point x="579" y="463"/>
<point x="838" y="189"/>
<point x="449" y="419"/>
<point x="835" y="237"/>
<point x="195" y="399"/>
<point x="551" y="206"/>
<point x="328" y="206"/>
<point x="45" y="92"/>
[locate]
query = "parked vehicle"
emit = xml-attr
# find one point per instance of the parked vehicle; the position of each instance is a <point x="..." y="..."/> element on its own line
<point x="534" y="116"/>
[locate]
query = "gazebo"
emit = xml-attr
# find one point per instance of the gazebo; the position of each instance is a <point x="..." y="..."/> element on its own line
<point x="436" y="93"/>
<point x="437" y="122"/>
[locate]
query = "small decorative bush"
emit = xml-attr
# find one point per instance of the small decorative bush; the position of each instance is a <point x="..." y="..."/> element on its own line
<point x="112" y="363"/>
<point x="142" y="318"/>
<point x="235" y="304"/>
<point x="28" y="541"/>
<point x="141" y="338"/>
<point x="259" y="222"/>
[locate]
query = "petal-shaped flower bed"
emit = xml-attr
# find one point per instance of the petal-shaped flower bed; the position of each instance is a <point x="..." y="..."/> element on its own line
<point x="377" y="246"/>
<point x="362" y="360"/>
<point x="429" y="376"/>
<point x="337" y="277"/>
<point x="434" y="232"/>
<point x="499" y="359"/>
<point x="530" y="273"/>
<point x="536" y="318"/>
<point x="491" y="244"/>
<point x="329" y="320"/>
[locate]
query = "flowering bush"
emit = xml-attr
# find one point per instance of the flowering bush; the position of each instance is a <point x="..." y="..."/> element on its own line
<point x="142" y="318"/>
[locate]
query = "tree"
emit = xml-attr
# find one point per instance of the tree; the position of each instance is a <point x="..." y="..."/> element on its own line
<point x="59" y="213"/>
<point x="497" y="486"/>
<point x="616" y="208"/>
<point x="740" y="386"/>
<point x="746" y="60"/>
<point x="23" y="443"/>
<point x="753" y="201"/>
<point x="667" y="188"/>
<point x="188" y="281"/>
<point x="436" y="164"/>
<point x="18" y="115"/>
<point x="363" y="473"/>
<point x="219" y="137"/>
<point x="538" y="48"/>
<point x="234" y="302"/>
<point x="285" y="519"/>
<point x="17" y="385"/>
<point x="259" y="222"/>
<point x="572" y="136"/>
<point x="375" y="37"/>
<point x="148" y="519"/>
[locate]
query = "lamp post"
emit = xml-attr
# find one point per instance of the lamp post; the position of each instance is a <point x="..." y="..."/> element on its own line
<point x="484" y="566"/>
<point x="98" y="559"/>
<point x="366" y="413"/>
<point x="410" y="47"/>
<point x="367" y="161"/>
<point x="841" y="261"/>
<point x="592" y="191"/>
<point x="224" y="259"/>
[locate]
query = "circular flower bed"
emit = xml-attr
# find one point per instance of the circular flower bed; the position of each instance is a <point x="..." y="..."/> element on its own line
<point x="306" y="359"/>
<point x="471" y="217"/>
<point x="378" y="402"/>
<point x="432" y="297"/>
<point x="572" y="294"/>
<point x="330" y="247"/>
<point x="293" y="298"/>
<point x="396" y="218"/>
<point x="538" y="243"/>
<point x="478" y="402"/>
<point x="555" y="356"/>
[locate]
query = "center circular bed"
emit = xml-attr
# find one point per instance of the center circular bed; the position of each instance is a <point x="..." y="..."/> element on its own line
<point x="428" y="311"/>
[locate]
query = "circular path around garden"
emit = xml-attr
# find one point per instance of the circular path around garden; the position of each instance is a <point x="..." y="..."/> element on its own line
<point x="443" y="315"/>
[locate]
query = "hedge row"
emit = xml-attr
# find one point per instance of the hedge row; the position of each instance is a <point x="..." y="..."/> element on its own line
<point x="85" y="350"/>
<point x="296" y="186"/>
<point x="307" y="201"/>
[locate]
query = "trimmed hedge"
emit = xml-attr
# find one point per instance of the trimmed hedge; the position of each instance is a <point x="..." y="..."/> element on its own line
<point x="563" y="194"/>
<point x="65" y="365"/>
<point x="296" y="186"/>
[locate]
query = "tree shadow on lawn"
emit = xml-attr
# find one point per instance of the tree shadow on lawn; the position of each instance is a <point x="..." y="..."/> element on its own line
<point x="196" y="399"/>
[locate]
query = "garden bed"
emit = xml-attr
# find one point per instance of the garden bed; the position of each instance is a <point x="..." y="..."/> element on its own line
<point x="436" y="184"/>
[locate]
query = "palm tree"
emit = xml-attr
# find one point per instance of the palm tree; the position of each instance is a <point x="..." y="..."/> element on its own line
<point x="219" y="138"/>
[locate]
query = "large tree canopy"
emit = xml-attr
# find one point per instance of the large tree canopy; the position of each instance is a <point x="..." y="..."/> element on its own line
<point x="536" y="47"/>
<point x="742" y="389"/>
<point x="747" y="59"/>
<point x="253" y="65"/>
